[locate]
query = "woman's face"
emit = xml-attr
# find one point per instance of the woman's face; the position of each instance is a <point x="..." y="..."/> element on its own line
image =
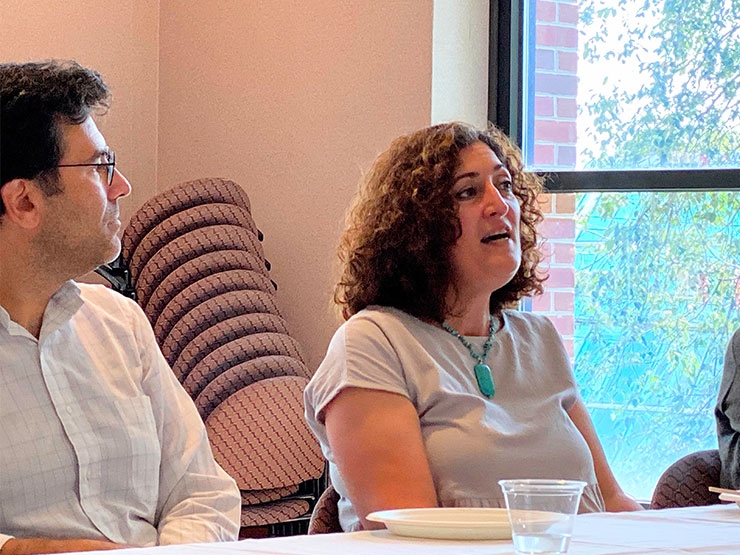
<point x="488" y="252"/>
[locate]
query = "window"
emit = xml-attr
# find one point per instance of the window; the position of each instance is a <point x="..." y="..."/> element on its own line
<point x="632" y="107"/>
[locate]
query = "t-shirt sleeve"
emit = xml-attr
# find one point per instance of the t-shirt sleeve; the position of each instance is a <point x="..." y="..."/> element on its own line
<point x="360" y="355"/>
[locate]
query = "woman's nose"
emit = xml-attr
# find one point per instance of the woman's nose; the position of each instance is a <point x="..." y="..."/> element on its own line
<point x="495" y="204"/>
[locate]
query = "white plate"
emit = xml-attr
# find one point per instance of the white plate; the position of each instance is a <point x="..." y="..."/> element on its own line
<point x="453" y="523"/>
<point x="730" y="497"/>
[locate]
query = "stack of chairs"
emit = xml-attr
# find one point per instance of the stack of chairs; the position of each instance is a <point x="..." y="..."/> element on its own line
<point x="198" y="270"/>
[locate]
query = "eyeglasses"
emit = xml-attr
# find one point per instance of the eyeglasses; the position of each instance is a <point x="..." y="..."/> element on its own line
<point x="110" y="166"/>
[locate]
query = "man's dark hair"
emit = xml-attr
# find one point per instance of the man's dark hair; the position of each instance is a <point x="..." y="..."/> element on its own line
<point x="35" y="98"/>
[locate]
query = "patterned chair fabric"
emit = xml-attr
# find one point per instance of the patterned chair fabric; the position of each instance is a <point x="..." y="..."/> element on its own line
<point x="206" y="288"/>
<point x="178" y="198"/>
<point x="234" y="353"/>
<point x="222" y="333"/>
<point x="188" y="246"/>
<point x="194" y="270"/>
<point x="257" y="496"/>
<point x="199" y="272"/>
<point x="276" y="511"/>
<point x="212" y="311"/>
<point x="325" y="516"/>
<point x="189" y="220"/>
<point x="265" y="452"/>
<point x="246" y="373"/>
<point x="685" y="482"/>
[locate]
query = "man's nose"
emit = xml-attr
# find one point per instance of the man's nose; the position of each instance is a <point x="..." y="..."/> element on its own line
<point x="119" y="186"/>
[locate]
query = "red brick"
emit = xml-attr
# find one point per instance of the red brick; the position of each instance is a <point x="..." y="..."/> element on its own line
<point x="559" y="84"/>
<point x="565" y="253"/>
<point x="544" y="58"/>
<point x="544" y="106"/>
<point x="544" y="200"/>
<point x="552" y="35"/>
<point x="564" y="324"/>
<point x="542" y="303"/>
<point x="568" y="61"/>
<point x="567" y="156"/>
<point x="546" y="250"/>
<point x="567" y="108"/>
<point x="544" y="155"/>
<point x="555" y="131"/>
<point x="567" y="13"/>
<point x="558" y="228"/>
<point x="561" y="278"/>
<point x="545" y="11"/>
<point x="565" y="203"/>
<point x="564" y="301"/>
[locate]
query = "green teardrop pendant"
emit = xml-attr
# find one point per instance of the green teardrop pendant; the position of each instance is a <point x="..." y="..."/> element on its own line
<point x="484" y="379"/>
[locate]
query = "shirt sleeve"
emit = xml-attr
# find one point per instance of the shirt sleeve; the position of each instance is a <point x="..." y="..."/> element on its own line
<point x="197" y="501"/>
<point x="552" y="350"/>
<point x="360" y="355"/>
<point x="727" y="415"/>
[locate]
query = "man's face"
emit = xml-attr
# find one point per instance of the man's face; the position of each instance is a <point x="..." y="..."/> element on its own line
<point x="79" y="227"/>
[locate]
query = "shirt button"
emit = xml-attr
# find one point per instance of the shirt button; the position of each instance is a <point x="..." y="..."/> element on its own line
<point x="69" y="409"/>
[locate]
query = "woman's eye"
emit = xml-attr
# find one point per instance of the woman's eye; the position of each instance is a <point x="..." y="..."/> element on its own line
<point x="506" y="185"/>
<point x="466" y="193"/>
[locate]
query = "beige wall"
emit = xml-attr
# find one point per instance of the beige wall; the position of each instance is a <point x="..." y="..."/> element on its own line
<point x="118" y="39"/>
<point x="291" y="99"/>
<point x="460" y="61"/>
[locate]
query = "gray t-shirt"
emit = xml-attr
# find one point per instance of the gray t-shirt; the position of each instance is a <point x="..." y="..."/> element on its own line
<point x="471" y="441"/>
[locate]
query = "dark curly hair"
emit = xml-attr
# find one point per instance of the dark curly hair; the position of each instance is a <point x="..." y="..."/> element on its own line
<point x="396" y="247"/>
<point x="35" y="98"/>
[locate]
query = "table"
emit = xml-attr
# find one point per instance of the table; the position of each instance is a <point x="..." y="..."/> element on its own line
<point x="712" y="530"/>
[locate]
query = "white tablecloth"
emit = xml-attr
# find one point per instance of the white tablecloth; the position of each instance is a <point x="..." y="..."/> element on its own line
<point x="713" y="530"/>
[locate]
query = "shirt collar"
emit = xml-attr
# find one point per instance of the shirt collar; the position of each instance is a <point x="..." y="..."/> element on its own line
<point x="62" y="305"/>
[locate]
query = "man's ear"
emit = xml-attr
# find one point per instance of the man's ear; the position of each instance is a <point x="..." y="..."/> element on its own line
<point x="21" y="199"/>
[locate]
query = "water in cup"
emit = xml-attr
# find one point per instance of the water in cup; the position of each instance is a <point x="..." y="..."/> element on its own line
<point x="541" y="513"/>
<point x="554" y="540"/>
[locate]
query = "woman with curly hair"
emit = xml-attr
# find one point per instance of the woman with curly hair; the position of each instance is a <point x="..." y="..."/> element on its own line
<point x="435" y="388"/>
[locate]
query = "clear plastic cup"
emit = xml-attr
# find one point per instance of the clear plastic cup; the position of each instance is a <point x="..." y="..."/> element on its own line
<point x="541" y="513"/>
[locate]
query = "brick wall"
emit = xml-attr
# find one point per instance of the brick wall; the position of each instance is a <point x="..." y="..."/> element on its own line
<point x="559" y="296"/>
<point x="556" y="86"/>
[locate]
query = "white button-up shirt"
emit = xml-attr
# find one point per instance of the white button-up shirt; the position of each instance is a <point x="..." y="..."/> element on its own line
<point x="98" y="439"/>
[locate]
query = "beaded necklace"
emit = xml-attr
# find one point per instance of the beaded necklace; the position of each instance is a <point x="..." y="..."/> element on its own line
<point x="482" y="370"/>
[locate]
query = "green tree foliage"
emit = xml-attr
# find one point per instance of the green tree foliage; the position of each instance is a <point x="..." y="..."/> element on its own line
<point x="658" y="274"/>
<point x="686" y="111"/>
<point x="657" y="299"/>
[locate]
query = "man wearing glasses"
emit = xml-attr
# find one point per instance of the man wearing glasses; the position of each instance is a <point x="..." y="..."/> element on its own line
<point x="100" y="447"/>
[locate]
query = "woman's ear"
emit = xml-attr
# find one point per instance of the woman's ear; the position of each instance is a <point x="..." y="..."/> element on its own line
<point x="21" y="199"/>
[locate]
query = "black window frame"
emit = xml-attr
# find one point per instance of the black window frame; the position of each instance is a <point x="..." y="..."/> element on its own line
<point x="511" y="98"/>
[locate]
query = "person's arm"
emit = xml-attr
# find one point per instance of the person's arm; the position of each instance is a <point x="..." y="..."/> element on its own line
<point x="197" y="500"/>
<point x="376" y="440"/>
<point x="614" y="498"/>
<point x="727" y="415"/>
<point x="28" y="546"/>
